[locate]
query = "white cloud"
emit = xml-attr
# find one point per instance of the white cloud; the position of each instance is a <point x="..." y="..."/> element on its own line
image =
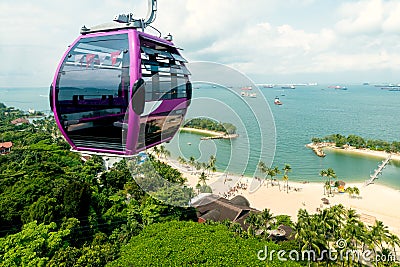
<point x="361" y="17"/>
<point x="257" y="37"/>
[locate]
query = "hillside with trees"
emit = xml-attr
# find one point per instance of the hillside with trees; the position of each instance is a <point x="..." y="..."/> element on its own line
<point x="57" y="209"/>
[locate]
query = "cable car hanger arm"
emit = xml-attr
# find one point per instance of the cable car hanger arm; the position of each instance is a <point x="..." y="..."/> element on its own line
<point x="124" y="21"/>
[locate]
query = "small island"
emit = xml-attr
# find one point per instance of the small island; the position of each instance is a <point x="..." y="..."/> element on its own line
<point x="355" y="144"/>
<point x="212" y="129"/>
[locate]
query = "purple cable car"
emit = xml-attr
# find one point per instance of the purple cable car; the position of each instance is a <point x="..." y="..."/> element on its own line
<point x="118" y="90"/>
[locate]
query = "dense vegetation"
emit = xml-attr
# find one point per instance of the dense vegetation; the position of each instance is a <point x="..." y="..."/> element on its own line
<point x="193" y="244"/>
<point x="208" y="124"/>
<point x="359" y="142"/>
<point x="58" y="210"/>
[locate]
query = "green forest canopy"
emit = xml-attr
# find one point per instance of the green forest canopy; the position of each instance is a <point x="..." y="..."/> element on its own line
<point x="58" y="210"/>
<point x="208" y="124"/>
<point x="359" y="142"/>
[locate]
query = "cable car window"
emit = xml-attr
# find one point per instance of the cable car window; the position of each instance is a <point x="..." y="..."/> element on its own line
<point x="163" y="71"/>
<point x="93" y="90"/>
<point x="159" y="127"/>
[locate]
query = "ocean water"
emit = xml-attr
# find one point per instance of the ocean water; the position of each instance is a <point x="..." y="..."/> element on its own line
<point x="26" y="98"/>
<point x="309" y="111"/>
<point x="278" y="134"/>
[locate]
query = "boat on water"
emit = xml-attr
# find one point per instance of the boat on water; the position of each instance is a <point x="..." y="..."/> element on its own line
<point x="338" y="87"/>
<point x="288" y="87"/>
<point x="277" y="101"/>
<point x="268" y="86"/>
<point x="247" y="88"/>
<point x="246" y="94"/>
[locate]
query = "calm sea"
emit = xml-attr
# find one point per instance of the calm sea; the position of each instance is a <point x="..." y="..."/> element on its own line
<point x="307" y="111"/>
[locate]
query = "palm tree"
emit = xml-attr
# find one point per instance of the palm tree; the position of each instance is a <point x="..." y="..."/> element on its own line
<point x="262" y="167"/>
<point x="353" y="229"/>
<point x="266" y="217"/>
<point x="276" y="172"/>
<point x="323" y="173"/>
<point x="286" y="169"/>
<point x="253" y="222"/>
<point x="394" y="241"/>
<point x="331" y="174"/>
<point x="197" y="165"/>
<point x="307" y="234"/>
<point x="164" y="152"/>
<point x="212" y="160"/>
<point x="204" y="166"/>
<point x="380" y="233"/>
<point x="285" y="179"/>
<point x="350" y="191"/>
<point x="203" y="178"/>
<point x="181" y="160"/>
<point x="356" y="191"/>
<point x="192" y="160"/>
<point x="198" y="187"/>
<point x="156" y="151"/>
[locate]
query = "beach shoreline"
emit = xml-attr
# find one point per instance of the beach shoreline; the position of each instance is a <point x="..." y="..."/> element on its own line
<point x="211" y="134"/>
<point x="302" y="195"/>
<point x="353" y="150"/>
<point x="201" y="131"/>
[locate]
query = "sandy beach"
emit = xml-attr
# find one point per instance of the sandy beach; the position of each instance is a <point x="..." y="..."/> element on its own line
<point x="374" y="202"/>
<point x="201" y="131"/>
<point x="350" y="149"/>
<point x="211" y="134"/>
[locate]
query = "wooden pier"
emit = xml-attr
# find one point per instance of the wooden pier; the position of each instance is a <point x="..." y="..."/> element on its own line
<point x="378" y="171"/>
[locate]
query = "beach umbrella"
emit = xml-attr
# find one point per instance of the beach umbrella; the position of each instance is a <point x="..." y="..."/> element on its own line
<point x="325" y="200"/>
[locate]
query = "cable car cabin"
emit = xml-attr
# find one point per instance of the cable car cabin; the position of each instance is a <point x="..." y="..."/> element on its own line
<point x="120" y="92"/>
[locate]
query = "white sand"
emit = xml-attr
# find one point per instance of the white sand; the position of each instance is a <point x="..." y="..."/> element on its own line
<point x="377" y="201"/>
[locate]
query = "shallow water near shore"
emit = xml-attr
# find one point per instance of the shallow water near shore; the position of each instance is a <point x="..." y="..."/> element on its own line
<point x="313" y="111"/>
<point x="307" y="111"/>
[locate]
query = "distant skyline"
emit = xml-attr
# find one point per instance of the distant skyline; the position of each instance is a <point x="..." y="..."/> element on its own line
<point x="273" y="41"/>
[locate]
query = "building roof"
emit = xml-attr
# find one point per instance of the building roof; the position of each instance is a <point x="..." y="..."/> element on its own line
<point x="240" y="201"/>
<point x="6" y="145"/>
<point x="216" y="208"/>
<point x="19" y="121"/>
<point x="283" y="232"/>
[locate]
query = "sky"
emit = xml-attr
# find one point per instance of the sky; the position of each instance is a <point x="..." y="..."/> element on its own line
<point x="271" y="41"/>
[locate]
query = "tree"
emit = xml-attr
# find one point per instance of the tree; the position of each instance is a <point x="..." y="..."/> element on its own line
<point x="323" y="174"/>
<point x="253" y="221"/>
<point x="272" y="172"/>
<point x="34" y="245"/>
<point x="193" y="244"/>
<point x="380" y="233"/>
<point x="203" y="178"/>
<point x="262" y="167"/>
<point x="286" y="169"/>
<point x="356" y="191"/>
<point x="211" y="163"/>
<point x="156" y="151"/>
<point x="266" y="218"/>
<point x="350" y="191"/>
<point x="164" y="152"/>
<point x="330" y="173"/>
<point x="181" y="160"/>
<point x="394" y="240"/>
<point x="192" y="162"/>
